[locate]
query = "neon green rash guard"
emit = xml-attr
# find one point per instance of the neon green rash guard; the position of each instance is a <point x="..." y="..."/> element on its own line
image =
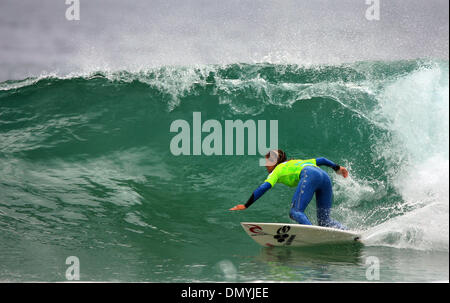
<point x="288" y="172"/>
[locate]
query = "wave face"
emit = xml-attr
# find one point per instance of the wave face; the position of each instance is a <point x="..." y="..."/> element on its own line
<point x="86" y="160"/>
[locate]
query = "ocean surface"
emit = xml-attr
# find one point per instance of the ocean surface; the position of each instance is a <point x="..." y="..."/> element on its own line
<point x="87" y="170"/>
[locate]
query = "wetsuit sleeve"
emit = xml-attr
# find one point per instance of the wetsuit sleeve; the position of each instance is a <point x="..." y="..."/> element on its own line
<point x="258" y="193"/>
<point x="325" y="161"/>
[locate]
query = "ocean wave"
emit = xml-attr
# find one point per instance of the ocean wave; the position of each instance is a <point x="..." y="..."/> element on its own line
<point x="105" y="136"/>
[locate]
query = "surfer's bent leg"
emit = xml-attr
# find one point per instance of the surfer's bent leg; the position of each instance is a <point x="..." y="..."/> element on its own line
<point x="324" y="198"/>
<point x="302" y="197"/>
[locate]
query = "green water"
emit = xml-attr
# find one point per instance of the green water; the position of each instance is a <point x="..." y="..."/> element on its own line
<point x="87" y="171"/>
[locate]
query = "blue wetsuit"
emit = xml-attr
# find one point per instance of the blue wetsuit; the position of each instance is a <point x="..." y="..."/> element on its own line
<point x="313" y="180"/>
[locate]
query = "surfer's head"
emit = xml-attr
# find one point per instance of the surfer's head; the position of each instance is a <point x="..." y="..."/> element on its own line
<point x="273" y="158"/>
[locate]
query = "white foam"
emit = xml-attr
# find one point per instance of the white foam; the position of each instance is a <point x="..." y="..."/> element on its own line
<point x="415" y="110"/>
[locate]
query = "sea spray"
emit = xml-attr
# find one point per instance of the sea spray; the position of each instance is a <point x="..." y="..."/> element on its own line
<point x="415" y="110"/>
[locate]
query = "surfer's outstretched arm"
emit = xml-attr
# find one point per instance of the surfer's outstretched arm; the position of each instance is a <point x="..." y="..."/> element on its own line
<point x="255" y="196"/>
<point x="337" y="168"/>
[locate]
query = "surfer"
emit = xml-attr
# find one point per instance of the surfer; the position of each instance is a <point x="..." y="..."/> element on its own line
<point x="309" y="180"/>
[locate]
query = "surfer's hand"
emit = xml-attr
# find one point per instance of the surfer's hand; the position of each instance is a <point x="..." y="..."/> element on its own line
<point x="239" y="207"/>
<point x="343" y="172"/>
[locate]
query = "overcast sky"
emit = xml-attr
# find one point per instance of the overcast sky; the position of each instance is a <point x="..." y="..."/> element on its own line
<point x="35" y="36"/>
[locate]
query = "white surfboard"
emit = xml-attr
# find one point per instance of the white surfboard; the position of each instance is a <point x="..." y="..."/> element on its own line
<point x="285" y="234"/>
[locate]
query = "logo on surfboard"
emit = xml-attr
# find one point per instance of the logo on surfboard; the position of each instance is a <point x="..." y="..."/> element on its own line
<point x="255" y="230"/>
<point x="282" y="234"/>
